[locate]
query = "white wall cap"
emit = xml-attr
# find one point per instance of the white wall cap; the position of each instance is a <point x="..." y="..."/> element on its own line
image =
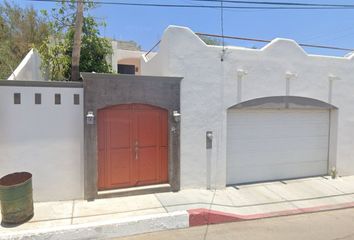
<point x="290" y="75"/>
<point x="283" y="46"/>
<point x="278" y="47"/>
<point x="333" y="77"/>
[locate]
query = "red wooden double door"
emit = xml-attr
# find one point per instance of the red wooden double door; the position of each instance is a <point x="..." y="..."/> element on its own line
<point x="132" y="146"/>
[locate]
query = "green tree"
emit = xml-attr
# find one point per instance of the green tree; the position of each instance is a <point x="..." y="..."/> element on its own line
<point x="56" y="51"/>
<point x="20" y="30"/>
<point x="211" y="41"/>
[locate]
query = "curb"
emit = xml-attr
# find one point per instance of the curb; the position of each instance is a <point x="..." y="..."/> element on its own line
<point x="202" y="216"/>
<point x="108" y="229"/>
<point x="153" y="223"/>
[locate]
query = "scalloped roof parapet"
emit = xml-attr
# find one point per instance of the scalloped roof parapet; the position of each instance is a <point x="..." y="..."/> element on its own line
<point x="280" y="45"/>
<point x="277" y="47"/>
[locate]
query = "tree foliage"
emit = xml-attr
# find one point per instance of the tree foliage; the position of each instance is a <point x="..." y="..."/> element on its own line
<point x="211" y="41"/>
<point x="57" y="49"/>
<point x="20" y="30"/>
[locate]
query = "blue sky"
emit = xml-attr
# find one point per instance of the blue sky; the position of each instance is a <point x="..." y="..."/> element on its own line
<point x="145" y="25"/>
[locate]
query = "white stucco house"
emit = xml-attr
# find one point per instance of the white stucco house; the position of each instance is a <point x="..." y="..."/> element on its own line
<point x="199" y="116"/>
<point x="126" y="57"/>
<point x="275" y="112"/>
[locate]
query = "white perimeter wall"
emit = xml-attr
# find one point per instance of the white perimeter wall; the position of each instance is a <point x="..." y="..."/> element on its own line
<point x="45" y="139"/>
<point x="211" y="86"/>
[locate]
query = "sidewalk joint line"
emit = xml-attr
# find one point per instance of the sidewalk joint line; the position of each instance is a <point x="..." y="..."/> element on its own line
<point x="334" y="187"/>
<point x="161" y="203"/>
<point x="72" y="213"/>
<point x="186" y="204"/>
<point x="92" y="215"/>
<point x="285" y="200"/>
<point x="261" y="204"/>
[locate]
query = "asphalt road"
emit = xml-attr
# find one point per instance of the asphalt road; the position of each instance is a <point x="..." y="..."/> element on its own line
<point x="330" y="225"/>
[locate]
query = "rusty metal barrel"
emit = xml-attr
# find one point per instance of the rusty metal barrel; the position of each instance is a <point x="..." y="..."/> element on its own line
<point x="16" y="198"/>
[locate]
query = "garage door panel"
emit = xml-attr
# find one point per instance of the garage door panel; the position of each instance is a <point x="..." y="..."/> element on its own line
<point x="265" y="173"/>
<point x="272" y="122"/>
<point x="253" y="164"/>
<point x="247" y="116"/>
<point x="275" y="144"/>
<point x="265" y="131"/>
<point x="278" y="144"/>
<point x="252" y="159"/>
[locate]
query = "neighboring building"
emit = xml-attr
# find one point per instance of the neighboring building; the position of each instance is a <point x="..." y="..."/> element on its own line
<point x="200" y="117"/>
<point x="29" y="69"/>
<point x="126" y="57"/>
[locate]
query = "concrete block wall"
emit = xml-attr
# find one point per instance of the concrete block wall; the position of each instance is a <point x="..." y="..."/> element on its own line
<point x="45" y="139"/>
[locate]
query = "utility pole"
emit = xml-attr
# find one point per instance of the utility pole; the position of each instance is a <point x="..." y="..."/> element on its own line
<point x="75" y="62"/>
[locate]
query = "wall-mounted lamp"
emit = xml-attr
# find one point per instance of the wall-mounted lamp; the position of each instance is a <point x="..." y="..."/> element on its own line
<point x="90" y="118"/>
<point x="176" y="116"/>
<point x="209" y="139"/>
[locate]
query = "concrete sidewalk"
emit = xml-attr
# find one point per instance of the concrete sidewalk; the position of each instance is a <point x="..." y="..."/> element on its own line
<point x="255" y="199"/>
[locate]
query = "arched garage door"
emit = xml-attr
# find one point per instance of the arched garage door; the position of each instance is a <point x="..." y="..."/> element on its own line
<point x="273" y="144"/>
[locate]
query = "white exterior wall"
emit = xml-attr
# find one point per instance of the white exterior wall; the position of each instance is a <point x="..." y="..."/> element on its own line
<point x="45" y="139"/>
<point x="210" y="86"/>
<point x="120" y="54"/>
<point x="114" y="57"/>
<point x="29" y="69"/>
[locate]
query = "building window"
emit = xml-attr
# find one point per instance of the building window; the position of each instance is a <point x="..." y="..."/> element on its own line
<point x="126" y="69"/>
<point x="37" y="98"/>
<point x="17" y="98"/>
<point x="57" y="99"/>
<point x="76" y="99"/>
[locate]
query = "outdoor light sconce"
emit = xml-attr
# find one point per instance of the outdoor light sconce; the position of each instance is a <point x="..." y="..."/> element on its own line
<point x="176" y="116"/>
<point x="90" y="118"/>
<point x="209" y="139"/>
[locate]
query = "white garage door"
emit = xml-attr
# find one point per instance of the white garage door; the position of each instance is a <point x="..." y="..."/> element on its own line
<point x="276" y="144"/>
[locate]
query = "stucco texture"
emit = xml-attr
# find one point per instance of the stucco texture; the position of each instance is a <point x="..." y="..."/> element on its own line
<point x="211" y="86"/>
<point x="45" y="140"/>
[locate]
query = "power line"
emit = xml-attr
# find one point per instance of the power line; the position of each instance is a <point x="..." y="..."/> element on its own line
<point x="267" y="41"/>
<point x="278" y="3"/>
<point x="347" y="7"/>
<point x="218" y="7"/>
<point x="222" y="24"/>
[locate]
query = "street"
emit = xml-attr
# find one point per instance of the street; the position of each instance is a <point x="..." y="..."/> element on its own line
<point x="329" y="225"/>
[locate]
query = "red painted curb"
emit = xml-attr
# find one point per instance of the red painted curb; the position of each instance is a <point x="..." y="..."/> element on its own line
<point x="202" y="216"/>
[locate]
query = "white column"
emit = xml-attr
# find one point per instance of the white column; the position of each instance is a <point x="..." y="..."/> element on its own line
<point x="288" y="76"/>
<point x="240" y="75"/>
<point x="331" y="78"/>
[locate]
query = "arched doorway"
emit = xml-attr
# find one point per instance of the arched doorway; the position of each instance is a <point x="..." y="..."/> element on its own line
<point x="132" y="146"/>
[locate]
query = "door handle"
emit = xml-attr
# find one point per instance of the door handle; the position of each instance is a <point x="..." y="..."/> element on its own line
<point x="136" y="148"/>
